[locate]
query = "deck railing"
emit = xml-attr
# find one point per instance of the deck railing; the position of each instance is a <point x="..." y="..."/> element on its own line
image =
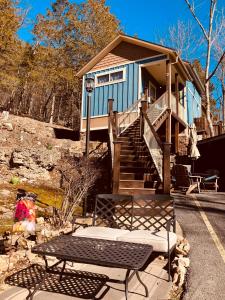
<point x="181" y="109"/>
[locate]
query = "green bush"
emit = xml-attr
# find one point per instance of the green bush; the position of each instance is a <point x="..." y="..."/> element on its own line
<point x="15" y="180"/>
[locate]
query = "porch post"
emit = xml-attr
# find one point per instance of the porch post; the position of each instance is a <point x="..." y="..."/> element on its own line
<point x="166" y="168"/>
<point x="116" y="167"/>
<point x="110" y="105"/>
<point x="116" y="121"/>
<point x="110" y="108"/>
<point x="168" y="89"/>
<point x="177" y="93"/>
<point x="167" y="144"/>
<point x="177" y="137"/>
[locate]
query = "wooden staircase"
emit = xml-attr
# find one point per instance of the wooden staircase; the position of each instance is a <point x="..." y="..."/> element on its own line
<point x="138" y="174"/>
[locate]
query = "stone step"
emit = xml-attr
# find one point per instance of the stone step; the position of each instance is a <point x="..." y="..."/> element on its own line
<point x="136" y="191"/>
<point x="131" y="184"/>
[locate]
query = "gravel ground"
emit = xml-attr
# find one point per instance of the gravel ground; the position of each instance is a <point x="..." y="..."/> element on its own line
<point x="207" y="272"/>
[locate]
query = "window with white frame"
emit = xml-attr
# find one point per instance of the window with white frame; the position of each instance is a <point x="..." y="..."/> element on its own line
<point x="110" y="77"/>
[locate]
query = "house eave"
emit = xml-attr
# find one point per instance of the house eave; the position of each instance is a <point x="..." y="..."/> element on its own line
<point x="132" y="40"/>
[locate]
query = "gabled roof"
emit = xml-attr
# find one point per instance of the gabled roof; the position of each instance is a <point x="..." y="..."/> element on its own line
<point x="135" y="41"/>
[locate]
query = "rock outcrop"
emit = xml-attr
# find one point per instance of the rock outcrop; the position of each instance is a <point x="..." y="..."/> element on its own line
<point x="31" y="149"/>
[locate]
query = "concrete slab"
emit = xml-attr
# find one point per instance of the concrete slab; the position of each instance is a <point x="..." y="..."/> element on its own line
<point x="154" y="276"/>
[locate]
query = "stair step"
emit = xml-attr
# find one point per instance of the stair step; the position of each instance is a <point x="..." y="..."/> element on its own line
<point x="124" y="138"/>
<point x="131" y="163"/>
<point x="136" y="191"/>
<point x="131" y="184"/>
<point x="127" y="157"/>
<point x="127" y="152"/>
<point x="136" y="170"/>
<point x="131" y="176"/>
<point x="126" y="148"/>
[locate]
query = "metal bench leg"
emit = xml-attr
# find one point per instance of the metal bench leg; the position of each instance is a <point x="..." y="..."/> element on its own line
<point x="146" y="289"/>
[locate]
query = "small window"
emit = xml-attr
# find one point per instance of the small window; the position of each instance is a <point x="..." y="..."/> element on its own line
<point x="116" y="76"/>
<point x="103" y="79"/>
<point x="110" y="77"/>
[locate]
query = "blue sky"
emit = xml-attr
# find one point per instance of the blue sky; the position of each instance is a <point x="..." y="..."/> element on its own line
<point x="145" y="18"/>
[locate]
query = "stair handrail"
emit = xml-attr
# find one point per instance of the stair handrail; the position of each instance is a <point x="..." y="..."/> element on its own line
<point x="156" y="136"/>
<point x="153" y="143"/>
<point x="157" y="108"/>
<point x="128" y="116"/>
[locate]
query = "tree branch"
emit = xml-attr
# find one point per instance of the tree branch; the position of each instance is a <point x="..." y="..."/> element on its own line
<point x="218" y="63"/>
<point x="196" y="18"/>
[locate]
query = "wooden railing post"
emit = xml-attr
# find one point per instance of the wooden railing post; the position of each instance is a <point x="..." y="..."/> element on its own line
<point x="141" y="122"/>
<point x="166" y="168"/>
<point x="110" y="105"/>
<point x="116" y="122"/>
<point x="110" y="109"/>
<point x="116" y="167"/>
<point x="144" y="105"/>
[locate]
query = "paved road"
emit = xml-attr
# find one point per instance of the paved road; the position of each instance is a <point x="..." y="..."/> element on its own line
<point x="202" y="217"/>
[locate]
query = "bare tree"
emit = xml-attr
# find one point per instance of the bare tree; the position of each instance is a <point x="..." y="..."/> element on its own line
<point x="182" y="38"/>
<point x="219" y="55"/>
<point x="209" y="35"/>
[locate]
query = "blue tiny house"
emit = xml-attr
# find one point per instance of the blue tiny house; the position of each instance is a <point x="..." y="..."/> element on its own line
<point x="128" y="68"/>
<point x="144" y="99"/>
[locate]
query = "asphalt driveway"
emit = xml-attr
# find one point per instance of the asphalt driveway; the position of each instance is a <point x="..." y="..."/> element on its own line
<point x="202" y="217"/>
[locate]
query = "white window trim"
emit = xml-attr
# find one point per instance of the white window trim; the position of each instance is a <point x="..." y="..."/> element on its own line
<point x="108" y="73"/>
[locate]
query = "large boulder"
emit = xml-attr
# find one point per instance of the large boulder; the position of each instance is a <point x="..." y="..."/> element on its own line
<point x="32" y="163"/>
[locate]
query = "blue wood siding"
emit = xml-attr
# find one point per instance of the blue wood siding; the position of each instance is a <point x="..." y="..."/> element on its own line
<point x="193" y="103"/>
<point x="124" y="93"/>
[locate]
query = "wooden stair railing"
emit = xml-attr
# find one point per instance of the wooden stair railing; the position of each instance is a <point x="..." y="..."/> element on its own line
<point x="115" y="146"/>
<point x="152" y="141"/>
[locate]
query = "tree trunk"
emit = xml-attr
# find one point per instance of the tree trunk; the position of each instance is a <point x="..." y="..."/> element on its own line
<point x="223" y="101"/>
<point x="52" y="110"/>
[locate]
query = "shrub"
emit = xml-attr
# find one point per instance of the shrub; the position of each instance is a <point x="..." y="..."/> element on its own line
<point x="77" y="178"/>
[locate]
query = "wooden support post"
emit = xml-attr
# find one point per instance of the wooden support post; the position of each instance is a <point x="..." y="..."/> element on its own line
<point x="110" y="105"/>
<point x="168" y="89"/>
<point x="144" y="105"/>
<point x="220" y="127"/>
<point x="141" y="123"/>
<point x="143" y="109"/>
<point x="177" y="93"/>
<point x="110" y="109"/>
<point x="116" y="121"/>
<point x="166" y="168"/>
<point x="177" y="137"/>
<point x="116" y="167"/>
